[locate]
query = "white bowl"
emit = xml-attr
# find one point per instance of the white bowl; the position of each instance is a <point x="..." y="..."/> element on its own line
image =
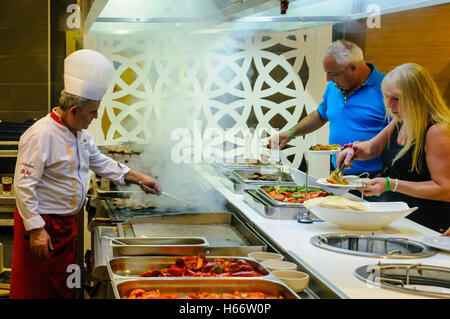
<point x="380" y="214"/>
<point x="296" y="280"/>
<point x="274" y="264"/>
<point x="299" y="178"/>
<point x="263" y="255"/>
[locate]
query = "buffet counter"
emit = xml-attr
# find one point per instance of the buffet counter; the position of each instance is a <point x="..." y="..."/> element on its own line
<point x="332" y="269"/>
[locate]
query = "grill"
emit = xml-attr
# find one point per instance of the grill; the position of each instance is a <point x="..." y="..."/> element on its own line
<point x="127" y="213"/>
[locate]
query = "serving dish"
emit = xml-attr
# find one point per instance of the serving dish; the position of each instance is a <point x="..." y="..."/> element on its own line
<point x="183" y="287"/>
<point x="142" y="246"/>
<point x="379" y="214"/>
<point x="119" y="267"/>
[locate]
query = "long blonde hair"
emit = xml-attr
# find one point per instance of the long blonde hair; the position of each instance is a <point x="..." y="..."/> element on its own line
<point x="422" y="105"/>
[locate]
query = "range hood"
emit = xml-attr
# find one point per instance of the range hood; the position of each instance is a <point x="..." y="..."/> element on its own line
<point x="211" y="16"/>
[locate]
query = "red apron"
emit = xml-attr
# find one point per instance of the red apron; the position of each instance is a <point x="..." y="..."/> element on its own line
<point x="36" y="278"/>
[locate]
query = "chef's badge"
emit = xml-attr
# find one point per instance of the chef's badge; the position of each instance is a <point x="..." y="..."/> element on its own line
<point x="85" y="145"/>
<point x="27" y="169"/>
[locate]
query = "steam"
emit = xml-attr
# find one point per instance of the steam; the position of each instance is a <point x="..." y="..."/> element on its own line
<point x="180" y="104"/>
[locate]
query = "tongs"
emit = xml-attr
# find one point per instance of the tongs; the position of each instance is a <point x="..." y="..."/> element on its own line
<point x="143" y="186"/>
<point x="338" y="173"/>
<point x="280" y="160"/>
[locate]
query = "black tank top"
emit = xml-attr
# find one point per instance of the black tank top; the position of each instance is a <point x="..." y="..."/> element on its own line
<point x="431" y="213"/>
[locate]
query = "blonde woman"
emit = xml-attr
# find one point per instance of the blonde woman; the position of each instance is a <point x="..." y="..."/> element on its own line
<point x="415" y="147"/>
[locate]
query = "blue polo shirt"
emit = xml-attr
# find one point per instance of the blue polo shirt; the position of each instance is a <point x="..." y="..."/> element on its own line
<point x="358" y="117"/>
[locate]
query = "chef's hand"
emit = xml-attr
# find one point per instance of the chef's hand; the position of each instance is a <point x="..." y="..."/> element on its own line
<point x="278" y="141"/>
<point x="374" y="187"/>
<point x="147" y="183"/>
<point x="150" y="185"/>
<point x="40" y="243"/>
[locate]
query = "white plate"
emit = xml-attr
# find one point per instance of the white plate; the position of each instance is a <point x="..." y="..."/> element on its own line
<point x="380" y="214"/>
<point x="300" y="179"/>
<point x="352" y="182"/>
<point x="331" y="152"/>
<point x="439" y="242"/>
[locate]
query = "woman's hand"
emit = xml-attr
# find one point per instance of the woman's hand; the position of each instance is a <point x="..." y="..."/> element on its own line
<point x="447" y="232"/>
<point x="346" y="155"/>
<point x="374" y="187"/>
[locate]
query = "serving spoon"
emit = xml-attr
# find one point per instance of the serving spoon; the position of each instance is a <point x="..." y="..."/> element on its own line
<point x="115" y="240"/>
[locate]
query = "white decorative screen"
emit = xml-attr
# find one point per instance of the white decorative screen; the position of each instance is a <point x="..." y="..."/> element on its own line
<point x="228" y="85"/>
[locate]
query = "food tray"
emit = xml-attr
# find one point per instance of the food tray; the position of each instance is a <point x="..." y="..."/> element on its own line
<point x="260" y="192"/>
<point x="119" y="267"/>
<point x="266" y="209"/>
<point x="235" y="186"/>
<point x="183" y="286"/>
<point x="224" y="169"/>
<point x="169" y="246"/>
<point x="226" y="234"/>
<point x="239" y="187"/>
<point x="243" y="177"/>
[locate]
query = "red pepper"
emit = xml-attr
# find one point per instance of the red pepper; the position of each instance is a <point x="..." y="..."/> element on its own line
<point x="175" y="271"/>
<point x="180" y="262"/>
<point x="151" y="273"/>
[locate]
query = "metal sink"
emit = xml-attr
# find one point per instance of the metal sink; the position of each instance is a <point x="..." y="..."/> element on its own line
<point x="377" y="246"/>
<point x="418" y="279"/>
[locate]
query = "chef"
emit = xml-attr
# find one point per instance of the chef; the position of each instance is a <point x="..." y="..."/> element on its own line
<point x="51" y="177"/>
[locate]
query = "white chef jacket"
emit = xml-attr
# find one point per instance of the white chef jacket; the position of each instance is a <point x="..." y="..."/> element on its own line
<point x="52" y="170"/>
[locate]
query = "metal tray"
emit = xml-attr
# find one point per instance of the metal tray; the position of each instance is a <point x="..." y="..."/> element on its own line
<point x="119" y="267"/>
<point x="225" y="233"/>
<point x="224" y="169"/>
<point x="243" y="165"/>
<point x="266" y="209"/>
<point x="263" y="194"/>
<point x="183" y="286"/>
<point x="243" y="177"/>
<point x="239" y="187"/>
<point x="157" y="246"/>
<point x="233" y="185"/>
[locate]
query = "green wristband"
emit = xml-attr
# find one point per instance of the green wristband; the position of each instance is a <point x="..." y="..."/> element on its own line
<point x="388" y="182"/>
<point x="292" y="134"/>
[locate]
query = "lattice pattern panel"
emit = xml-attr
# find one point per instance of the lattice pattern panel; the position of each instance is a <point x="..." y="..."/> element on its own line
<point x="242" y="87"/>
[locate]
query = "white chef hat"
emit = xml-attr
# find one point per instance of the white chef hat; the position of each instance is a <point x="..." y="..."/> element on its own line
<point x="87" y="73"/>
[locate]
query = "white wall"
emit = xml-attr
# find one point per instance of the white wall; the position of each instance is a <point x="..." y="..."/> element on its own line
<point x="179" y="79"/>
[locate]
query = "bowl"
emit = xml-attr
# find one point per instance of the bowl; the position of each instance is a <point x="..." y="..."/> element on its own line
<point x="274" y="264"/>
<point x="380" y="214"/>
<point x="296" y="280"/>
<point x="263" y="255"/>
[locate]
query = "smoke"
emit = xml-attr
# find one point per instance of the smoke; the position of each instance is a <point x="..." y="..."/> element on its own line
<point x="185" y="65"/>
